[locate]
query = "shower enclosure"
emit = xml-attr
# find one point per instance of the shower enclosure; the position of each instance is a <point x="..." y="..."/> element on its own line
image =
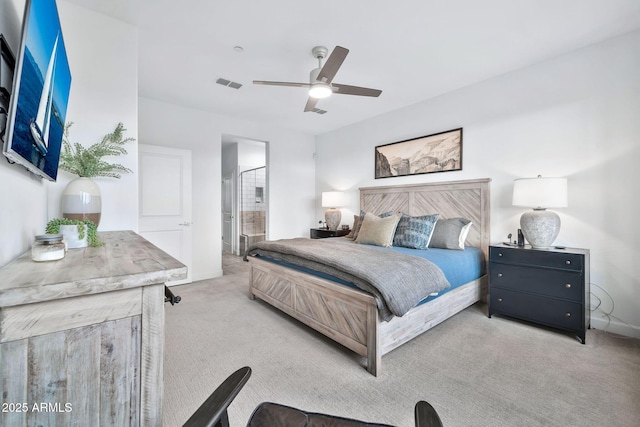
<point x="253" y="224"/>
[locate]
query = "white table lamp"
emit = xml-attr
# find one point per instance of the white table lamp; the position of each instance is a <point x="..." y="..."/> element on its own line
<point x="332" y="200"/>
<point x="540" y="226"/>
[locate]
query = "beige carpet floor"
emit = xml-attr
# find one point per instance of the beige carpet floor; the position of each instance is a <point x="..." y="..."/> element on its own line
<point x="474" y="370"/>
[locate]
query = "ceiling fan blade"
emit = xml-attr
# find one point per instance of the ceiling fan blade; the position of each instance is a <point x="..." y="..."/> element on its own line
<point x="331" y="67"/>
<point x="292" y="84"/>
<point x="311" y="104"/>
<point x="354" y="90"/>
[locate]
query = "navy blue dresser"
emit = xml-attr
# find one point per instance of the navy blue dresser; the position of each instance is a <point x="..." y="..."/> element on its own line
<point x="545" y="286"/>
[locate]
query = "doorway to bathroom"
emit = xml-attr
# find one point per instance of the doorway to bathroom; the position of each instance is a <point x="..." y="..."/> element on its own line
<point x="253" y="212"/>
<point x="244" y="193"/>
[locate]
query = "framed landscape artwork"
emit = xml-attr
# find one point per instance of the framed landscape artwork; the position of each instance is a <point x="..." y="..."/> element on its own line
<point x="440" y="152"/>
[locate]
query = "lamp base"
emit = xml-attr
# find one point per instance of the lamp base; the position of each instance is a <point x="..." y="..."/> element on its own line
<point x="540" y="227"/>
<point x="333" y="217"/>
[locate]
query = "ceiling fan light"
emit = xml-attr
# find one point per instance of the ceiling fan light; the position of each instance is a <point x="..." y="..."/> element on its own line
<point x="320" y="90"/>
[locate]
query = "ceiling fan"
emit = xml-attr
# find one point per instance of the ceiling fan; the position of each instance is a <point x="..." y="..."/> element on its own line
<point x="320" y="79"/>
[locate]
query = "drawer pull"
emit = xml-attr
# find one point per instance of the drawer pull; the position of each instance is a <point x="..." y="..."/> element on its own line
<point x="567" y="315"/>
<point x="499" y="253"/>
<point x="568" y="262"/>
<point x="499" y="274"/>
<point x="568" y="286"/>
<point x="499" y="299"/>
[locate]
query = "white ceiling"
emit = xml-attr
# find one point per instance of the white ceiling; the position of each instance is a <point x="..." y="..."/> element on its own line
<point x="412" y="50"/>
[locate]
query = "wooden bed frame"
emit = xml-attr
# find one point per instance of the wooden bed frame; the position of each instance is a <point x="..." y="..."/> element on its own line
<point x="350" y="316"/>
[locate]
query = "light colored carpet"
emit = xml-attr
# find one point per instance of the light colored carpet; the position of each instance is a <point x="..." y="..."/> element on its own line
<point x="474" y="370"/>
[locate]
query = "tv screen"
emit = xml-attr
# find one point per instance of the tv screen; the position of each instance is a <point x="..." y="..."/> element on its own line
<point x="41" y="84"/>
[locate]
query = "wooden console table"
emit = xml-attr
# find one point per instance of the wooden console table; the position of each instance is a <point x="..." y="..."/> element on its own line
<point x="82" y="338"/>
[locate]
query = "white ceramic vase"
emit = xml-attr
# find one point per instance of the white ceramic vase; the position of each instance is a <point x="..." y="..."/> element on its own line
<point x="81" y="199"/>
<point x="540" y="227"/>
<point x="333" y="217"/>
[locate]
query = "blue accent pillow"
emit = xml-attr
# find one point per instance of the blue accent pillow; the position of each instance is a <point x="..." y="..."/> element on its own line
<point x="415" y="231"/>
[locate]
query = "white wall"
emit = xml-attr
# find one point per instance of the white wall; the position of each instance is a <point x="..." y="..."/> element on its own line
<point x="251" y="155"/>
<point x="103" y="92"/>
<point x="574" y="116"/>
<point x="290" y="154"/>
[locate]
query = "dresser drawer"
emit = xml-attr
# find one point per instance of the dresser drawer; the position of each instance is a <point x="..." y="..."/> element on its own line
<point x="536" y="258"/>
<point x="549" y="311"/>
<point x="554" y="283"/>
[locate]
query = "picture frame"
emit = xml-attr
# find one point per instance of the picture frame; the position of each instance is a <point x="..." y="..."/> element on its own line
<point x="438" y="152"/>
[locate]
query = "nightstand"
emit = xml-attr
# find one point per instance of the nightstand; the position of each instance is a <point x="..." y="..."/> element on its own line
<point x="545" y="286"/>
<point x="321" y="233"/>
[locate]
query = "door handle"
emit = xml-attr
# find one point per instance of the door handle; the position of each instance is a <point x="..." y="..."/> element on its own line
<point x="186" y="224"/>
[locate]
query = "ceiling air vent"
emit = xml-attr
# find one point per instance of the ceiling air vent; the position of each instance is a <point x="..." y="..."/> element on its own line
<point x="319" y="111"/>
<point x="228" y="83"/>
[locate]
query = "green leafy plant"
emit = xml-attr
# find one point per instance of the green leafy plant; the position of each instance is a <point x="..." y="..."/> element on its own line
<point x="87" y="162"/>
<point x="53" y="227"/>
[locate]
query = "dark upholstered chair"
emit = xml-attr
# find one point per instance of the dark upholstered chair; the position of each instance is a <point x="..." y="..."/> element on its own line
<point x="213" y="412"/>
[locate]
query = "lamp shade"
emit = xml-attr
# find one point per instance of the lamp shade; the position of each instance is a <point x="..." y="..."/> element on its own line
<point x="332" y="199"/>
<point x="540" y="193"/>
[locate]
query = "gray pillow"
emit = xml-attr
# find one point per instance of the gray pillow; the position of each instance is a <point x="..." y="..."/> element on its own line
<point x="415" y="231"/>
<point x="356" y="225"/>
<point x="450" y="233"/>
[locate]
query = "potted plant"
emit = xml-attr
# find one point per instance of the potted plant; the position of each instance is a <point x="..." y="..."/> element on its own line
<point x="81" y="198"/>
<point x="77" y="233"/>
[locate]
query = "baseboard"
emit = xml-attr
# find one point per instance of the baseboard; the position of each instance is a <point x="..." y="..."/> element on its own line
<point x="207" y="275"/>
<point x="599" y="321"/>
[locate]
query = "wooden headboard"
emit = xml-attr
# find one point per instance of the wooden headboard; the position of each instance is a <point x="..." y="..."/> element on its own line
<point x="467" y="199"/>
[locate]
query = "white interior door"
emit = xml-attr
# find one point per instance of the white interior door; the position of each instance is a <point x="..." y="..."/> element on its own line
<point x="228" y="234"/>
<point x="165" y="201"/>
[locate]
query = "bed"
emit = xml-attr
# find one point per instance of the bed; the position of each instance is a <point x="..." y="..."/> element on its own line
<point x="349" y="315"/>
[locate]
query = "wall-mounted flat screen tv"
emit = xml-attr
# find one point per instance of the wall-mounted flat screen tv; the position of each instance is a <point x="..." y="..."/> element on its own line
<point x="38" y="103"/>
